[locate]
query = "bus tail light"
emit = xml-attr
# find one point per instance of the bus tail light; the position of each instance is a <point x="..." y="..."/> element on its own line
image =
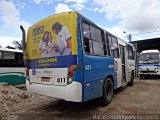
<point x="71" y="70"/>
<point x="70" y="74"/>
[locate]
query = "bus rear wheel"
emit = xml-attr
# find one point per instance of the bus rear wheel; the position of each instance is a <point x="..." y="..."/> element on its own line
<point x="108" y="91"/>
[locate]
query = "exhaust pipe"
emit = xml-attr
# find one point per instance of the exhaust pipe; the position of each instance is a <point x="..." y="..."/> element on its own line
<point x="23" y="42"/>
<point x="23" y="39"/>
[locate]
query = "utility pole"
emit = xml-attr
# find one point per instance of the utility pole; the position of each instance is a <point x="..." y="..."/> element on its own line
<point x="129" y="36"/>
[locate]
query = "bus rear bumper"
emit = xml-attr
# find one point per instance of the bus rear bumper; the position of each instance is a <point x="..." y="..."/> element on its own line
<point x="71" y="92"/>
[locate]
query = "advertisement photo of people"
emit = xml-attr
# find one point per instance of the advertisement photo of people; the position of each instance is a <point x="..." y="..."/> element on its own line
<point x="48" y="48"/>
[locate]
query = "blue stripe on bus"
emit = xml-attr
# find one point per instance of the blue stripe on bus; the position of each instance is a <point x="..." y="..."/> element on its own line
<point x="52" y="62"/>
<point x="157" y="65"/>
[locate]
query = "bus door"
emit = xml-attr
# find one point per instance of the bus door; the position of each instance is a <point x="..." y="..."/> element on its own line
<point x="122" y="53"/>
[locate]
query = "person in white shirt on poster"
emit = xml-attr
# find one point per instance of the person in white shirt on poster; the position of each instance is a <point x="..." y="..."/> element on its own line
<point x="63" y="39"/>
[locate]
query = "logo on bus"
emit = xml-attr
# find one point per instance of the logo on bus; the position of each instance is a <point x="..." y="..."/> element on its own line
<point x="115" y="66"/>
<point x="33" y="72"/>
<point x="38" y="30"/>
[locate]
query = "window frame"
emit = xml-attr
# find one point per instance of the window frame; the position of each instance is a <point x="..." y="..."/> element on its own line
<point x="103" y="41"/>
<point x="130" y="48"/>
<point x="110" y="45"/>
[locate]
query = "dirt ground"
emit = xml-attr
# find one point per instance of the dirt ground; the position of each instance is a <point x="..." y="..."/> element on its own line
<point x="141" y="98"/>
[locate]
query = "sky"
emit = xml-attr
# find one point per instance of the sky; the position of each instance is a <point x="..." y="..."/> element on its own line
<point x="139" y="18"/>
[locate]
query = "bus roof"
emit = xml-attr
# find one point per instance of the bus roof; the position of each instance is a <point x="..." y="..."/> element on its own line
<point x="99" y="26"/>
<point x="84" y="18"/>
<point x="54" y="15"/>
<point x="96" y="24"/>
<point x="11" y="50"/>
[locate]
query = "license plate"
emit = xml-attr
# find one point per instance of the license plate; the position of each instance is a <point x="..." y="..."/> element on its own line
<point x="45" y="79"/>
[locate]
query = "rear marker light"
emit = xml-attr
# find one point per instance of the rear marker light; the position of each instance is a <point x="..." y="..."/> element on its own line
<point x="86" y="84"/>
<point x="71" y="68"/>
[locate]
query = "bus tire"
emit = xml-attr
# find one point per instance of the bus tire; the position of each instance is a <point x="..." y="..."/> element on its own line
<point x="108" y="91"/>
<point x="132" y="80"/>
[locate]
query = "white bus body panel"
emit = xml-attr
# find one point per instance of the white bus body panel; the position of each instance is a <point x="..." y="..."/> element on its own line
<point x="36" y="75"/>
<point x="61" y="90"/>
<point x="129" y="65"/>
<point x="70" y="92"/>
<point x="129" y="68"/>
<point x="119" y="73"/>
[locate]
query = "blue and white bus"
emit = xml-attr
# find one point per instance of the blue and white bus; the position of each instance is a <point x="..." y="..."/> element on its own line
<point x="149" y="63"/>
<point x="70" y="57"/>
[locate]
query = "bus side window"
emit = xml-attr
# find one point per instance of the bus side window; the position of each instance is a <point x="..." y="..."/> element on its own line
<point x="93" y="40"/>
<point x="108" y="44"/>
<point x="104" y="43"/>
<point x="86" y="38"/>
<point x="8" y="55"/>
<point x="98" y="44"/>
<point x="19" y="59"/>
<point x="130" y="52"/>
<point x="115" y="50"/>
<point x="112" y="44"/>
<point x="88" y="45"/>
<point x="86" y="31"/>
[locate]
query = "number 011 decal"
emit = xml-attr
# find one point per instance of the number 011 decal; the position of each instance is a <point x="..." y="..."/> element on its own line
<point x="61" y="80"/>
<point x="88" y="67"/>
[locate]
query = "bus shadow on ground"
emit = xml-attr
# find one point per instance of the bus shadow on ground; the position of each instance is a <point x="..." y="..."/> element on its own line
<point x="61" y="108"/>
<point x="64" y="109"/>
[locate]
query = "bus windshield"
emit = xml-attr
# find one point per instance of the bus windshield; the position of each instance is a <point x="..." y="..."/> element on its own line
<point x="149" y="58"/>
